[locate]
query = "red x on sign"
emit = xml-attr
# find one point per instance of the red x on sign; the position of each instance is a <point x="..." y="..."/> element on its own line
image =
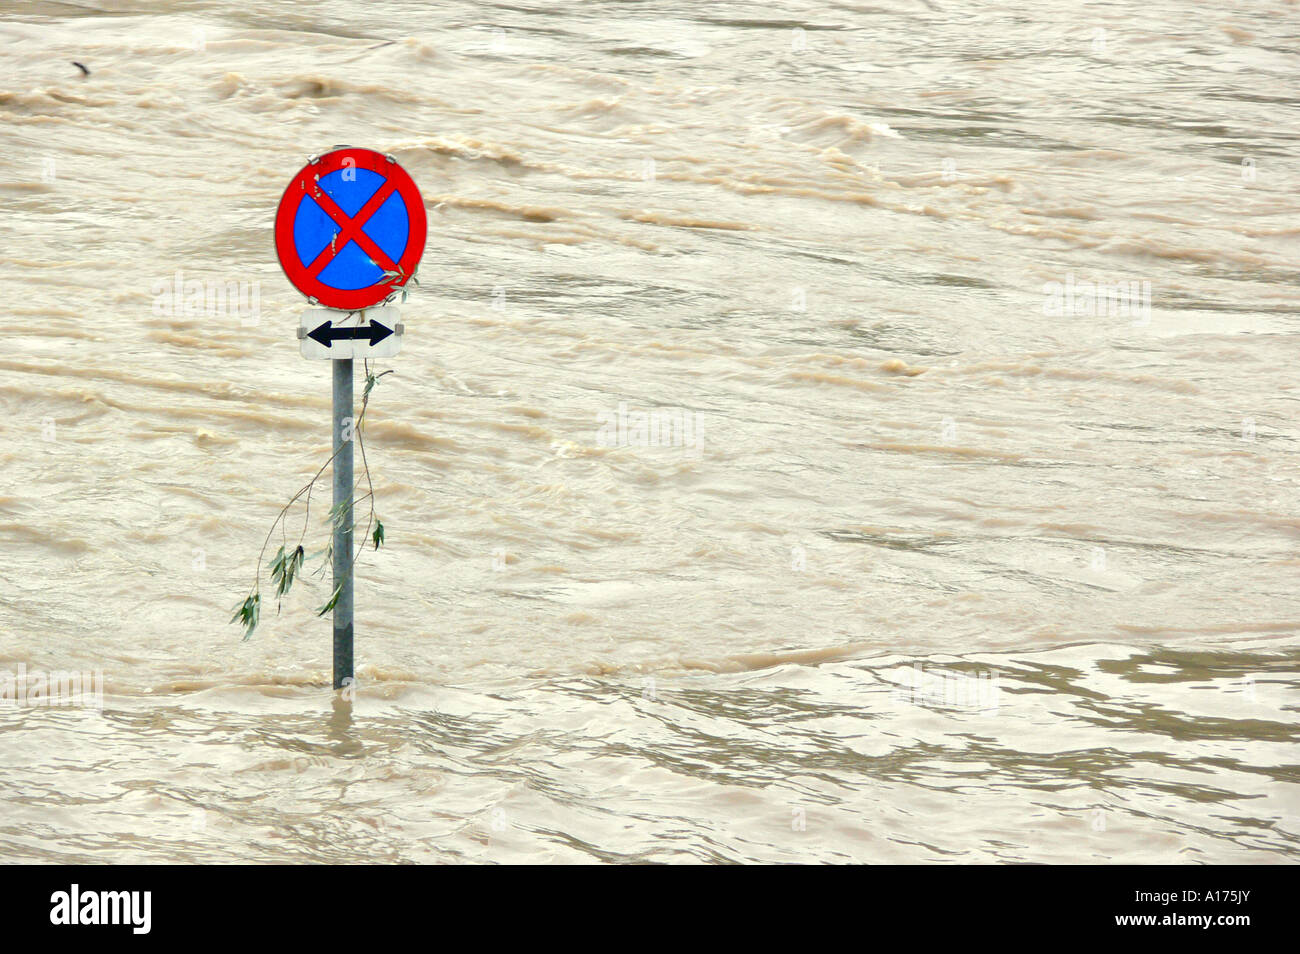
<point x="351" y="229"/>
<point x="345" y="220"/>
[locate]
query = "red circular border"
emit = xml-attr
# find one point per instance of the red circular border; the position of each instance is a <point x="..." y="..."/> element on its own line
<point x="304" y="183"/>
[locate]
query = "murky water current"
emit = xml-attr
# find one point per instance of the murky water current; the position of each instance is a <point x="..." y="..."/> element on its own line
<point x="948" y="554"/>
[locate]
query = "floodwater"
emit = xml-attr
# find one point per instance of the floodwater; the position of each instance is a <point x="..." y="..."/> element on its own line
<point x="824" y="432"/>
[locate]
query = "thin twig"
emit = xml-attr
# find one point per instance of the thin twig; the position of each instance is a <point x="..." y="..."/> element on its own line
<point x="307" y="489"/>
<point x="365" y="464"/>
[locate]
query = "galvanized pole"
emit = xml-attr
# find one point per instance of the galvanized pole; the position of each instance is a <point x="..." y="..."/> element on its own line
<point x="343" y="425"/>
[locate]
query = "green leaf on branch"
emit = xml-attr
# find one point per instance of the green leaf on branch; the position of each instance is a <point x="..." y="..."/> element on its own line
<point x="332" y="602"/>
<point x="284" y="568"/>
<point x="328" y="553"/>
<point x="248" y="612"/>
<point x="338" y="514"/>
<point x="371" y="380"/>
<point x="378" y="535"/>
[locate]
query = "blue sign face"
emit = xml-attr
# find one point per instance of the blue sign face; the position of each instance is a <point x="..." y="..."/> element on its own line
<point x="343" y="256"/>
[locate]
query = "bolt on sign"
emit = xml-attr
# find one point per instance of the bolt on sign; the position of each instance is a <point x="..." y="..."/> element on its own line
<point x="349" y="233"/>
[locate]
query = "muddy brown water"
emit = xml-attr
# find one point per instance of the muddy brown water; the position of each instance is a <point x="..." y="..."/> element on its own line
<point x="824" y="432"/>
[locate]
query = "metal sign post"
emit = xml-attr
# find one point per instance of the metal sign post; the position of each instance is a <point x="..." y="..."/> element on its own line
<point x="344" y="520"/>
<point x="349" y="233"/>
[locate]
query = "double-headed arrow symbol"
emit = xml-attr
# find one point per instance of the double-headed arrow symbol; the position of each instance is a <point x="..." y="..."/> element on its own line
<point x="327" y="334"/>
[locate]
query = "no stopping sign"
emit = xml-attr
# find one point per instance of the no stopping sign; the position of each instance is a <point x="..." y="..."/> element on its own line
<point x="350" y="229"/>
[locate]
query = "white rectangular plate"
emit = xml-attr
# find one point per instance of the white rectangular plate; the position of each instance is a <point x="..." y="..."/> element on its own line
<point x="330" y="334"/>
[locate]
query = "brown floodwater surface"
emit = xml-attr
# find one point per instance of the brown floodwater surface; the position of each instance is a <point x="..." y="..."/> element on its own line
<point x="823" y="432"/>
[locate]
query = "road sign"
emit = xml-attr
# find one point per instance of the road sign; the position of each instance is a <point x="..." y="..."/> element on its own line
<point x="350" y="228"/>
<point x="349" y="232"/>
<point x="369" y="333"/>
